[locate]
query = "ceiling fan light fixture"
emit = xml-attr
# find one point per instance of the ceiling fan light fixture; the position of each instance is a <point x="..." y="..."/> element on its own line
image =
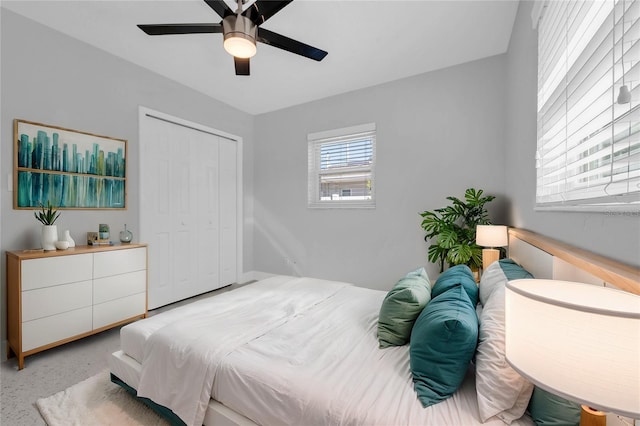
<point x="239" y="36"/>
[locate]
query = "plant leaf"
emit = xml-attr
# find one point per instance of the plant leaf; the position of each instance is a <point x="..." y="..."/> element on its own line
<point x="447" y="238"/>
<point x="459" y="254"/>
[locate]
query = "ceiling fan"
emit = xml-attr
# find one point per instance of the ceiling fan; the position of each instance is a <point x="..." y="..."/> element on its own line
<point x="241" y="30"/>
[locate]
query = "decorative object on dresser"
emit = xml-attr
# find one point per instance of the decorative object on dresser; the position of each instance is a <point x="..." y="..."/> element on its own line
<point x="454" y="230"/>
<point x="583" y="344"/>
<point x="67" y="238"/>
<point x="125" y="235"/>
<point x="57" y="297"/>
<point x="491" y="236"/>
<point x="101" y="237"/>
<point x="62" y="244"/>
<point x="49" y="234"/>
<point x="103" y="231"/>
<point x="72" y="169"/>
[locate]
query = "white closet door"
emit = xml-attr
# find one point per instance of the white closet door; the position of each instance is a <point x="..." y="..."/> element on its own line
<point x="228" y="213"/>
<point x="183" y="208"/>
<point x="188" y="210"/>
<point x="208" y="214"/>
<point x="156" y="223"/>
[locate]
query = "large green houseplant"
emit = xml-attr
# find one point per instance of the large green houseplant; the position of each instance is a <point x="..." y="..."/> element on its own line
<point x="452" y="230"/>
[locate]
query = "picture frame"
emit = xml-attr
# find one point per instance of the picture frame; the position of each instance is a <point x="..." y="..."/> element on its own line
<point x="71" y="169"/>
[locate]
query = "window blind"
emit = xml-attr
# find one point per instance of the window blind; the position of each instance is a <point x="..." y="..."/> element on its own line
<point x="588" y="150"/>
<point x="341" y="167"/>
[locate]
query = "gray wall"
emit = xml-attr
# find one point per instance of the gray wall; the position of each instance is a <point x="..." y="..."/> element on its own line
<point x="50" y="78"/>
<point x="615" y="235"/>
<point x="437" y="134"/>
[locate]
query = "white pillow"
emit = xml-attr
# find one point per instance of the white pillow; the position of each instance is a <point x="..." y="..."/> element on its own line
<point x="492" y="278"/>
<point x="501" y="391"/>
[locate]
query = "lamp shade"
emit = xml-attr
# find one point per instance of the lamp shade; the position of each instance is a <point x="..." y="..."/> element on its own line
<point x="579" y="341"/>
<point x="492" y="235"/>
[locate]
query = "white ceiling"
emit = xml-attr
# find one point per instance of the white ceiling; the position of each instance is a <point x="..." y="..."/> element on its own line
<point x="369" y="42"/>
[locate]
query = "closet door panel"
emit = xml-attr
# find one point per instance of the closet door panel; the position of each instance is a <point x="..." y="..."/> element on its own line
<point x="185" y="228"/>
<point x="208" y="216"/>
<point x="156" y="224"/>
<point x="228" y="212"/>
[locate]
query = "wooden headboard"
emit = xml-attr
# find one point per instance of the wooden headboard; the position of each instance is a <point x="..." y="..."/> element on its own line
<point x="550" y="259"/>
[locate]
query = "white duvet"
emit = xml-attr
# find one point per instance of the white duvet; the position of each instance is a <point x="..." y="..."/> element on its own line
<point x="181" y="358"/>
<point x="286" y="350"/>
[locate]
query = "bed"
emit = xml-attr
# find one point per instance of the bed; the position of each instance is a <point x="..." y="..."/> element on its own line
<point x="296" y="350"/>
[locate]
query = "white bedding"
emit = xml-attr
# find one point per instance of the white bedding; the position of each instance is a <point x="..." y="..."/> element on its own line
<point x="286" y="351"/>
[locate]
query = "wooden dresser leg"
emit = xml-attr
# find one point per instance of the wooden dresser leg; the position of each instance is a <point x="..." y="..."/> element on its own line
<point x="20" y="362"/>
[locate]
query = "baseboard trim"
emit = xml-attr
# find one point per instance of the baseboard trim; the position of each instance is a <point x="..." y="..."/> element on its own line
<point x="254" y="276"/>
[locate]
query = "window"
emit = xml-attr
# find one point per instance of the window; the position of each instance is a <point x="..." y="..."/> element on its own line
<point x="341" y="167"/>
<point x="588" y="151"/>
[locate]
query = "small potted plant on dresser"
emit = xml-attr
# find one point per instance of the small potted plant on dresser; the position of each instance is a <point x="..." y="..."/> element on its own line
<point x="49" y="234"/>
<point x="454" y="230"/>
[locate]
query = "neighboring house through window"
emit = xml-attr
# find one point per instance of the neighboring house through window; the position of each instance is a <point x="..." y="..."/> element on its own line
<point x="341" y="167"/>
<point x="588" y="151"/>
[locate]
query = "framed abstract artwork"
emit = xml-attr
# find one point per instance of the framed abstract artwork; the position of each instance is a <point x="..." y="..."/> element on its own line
<point x="68" y="168"/>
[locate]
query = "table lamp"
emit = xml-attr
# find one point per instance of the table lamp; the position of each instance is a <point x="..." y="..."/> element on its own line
<point x="491" y="236"/>
<point x="578" y="341"/>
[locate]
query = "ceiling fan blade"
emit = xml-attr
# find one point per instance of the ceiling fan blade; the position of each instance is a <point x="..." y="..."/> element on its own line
<point x="163" y="29"/>
<point x="262" y="10"/>
<point x="290" y="45"/>
<point x="242" y="65"/>
<point x="220" y="7"/>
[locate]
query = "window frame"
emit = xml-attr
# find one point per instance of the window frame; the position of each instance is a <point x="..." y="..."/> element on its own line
<point x="314" y="144"/>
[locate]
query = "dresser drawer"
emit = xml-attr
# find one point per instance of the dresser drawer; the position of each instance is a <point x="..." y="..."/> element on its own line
<point x="119" y="262"/>
<point x="50" y="271"/>
<point x="117" y="286"/>
<point x="51" y="329"/>
<point x="44" y="302"/>
<point x="120" y="309"/>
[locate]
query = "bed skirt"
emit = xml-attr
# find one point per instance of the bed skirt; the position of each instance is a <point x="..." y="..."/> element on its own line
<point x="161" y="410"/>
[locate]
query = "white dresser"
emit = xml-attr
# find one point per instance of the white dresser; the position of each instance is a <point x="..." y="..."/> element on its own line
<point x="54" y="297"/>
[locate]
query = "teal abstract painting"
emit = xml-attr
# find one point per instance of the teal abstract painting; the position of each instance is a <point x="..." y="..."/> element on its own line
<point x="69" y="168"/>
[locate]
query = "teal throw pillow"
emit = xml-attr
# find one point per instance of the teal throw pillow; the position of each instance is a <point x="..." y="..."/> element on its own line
<point x="497" y="275"/>
<point x="513" y="271"/>
<point x="442" y="344"/>
<point x="459" y="274"/>
<point x="547" y="409"/>
<point x="401" y="308"/>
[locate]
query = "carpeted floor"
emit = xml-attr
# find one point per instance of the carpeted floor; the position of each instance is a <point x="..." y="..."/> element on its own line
<point x="49" y="372"/>
<point x="54" y="370"/>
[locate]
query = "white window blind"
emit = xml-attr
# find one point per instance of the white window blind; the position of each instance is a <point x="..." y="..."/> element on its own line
<point x="588" y="151"/>
<point x="341" y="167"/>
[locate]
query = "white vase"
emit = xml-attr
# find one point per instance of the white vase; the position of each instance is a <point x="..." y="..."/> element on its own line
<point x="49" y="237"/>
<point x="67" y="237"/>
